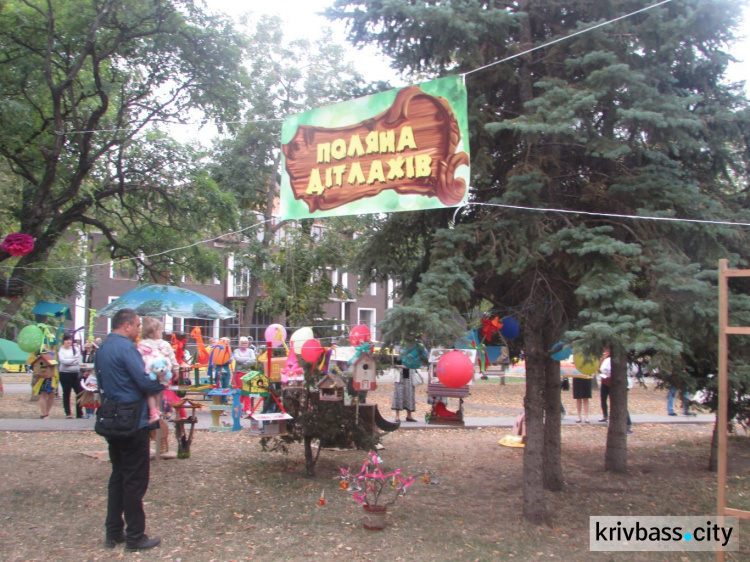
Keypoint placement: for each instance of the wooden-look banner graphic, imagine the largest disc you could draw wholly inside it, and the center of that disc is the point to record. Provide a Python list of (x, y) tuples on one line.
[(400, 150)]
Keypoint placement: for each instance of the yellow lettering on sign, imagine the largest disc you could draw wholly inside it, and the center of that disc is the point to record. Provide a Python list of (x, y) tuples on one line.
[(409, 166), (387, 141), (315, 186), (324, 152), (338, 149), (406, 139), (338, 175), (395, 168), (422, 164), (356, 175), (355, 147), (329, 177), (376, 172), (372, 142)]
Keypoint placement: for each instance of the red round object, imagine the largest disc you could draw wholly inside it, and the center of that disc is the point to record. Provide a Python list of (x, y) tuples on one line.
[(359, 334), (455, 369), (311, 350)]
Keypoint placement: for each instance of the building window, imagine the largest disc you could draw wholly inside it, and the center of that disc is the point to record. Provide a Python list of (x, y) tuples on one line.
[(109, 320), (126, 269), (241, 282), (373, 289), (367, 317)]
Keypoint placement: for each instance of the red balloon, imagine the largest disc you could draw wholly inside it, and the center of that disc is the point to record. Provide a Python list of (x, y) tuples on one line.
[(455, 369), (311, 350), (359, 334)]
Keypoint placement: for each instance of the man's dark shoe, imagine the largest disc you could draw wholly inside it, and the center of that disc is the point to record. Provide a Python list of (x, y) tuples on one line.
[(672, 413), (144, 544), (111, 543)]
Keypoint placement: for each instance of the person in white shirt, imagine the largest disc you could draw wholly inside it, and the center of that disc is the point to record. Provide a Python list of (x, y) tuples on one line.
[(70, 358)]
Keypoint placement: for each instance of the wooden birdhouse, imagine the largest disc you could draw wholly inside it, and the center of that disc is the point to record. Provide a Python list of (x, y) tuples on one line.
[(331, 388), (363, 372), (44, 366), (272, 368), (256, 384)]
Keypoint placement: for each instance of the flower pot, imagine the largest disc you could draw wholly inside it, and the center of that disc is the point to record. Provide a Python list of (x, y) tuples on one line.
[(374, 518)]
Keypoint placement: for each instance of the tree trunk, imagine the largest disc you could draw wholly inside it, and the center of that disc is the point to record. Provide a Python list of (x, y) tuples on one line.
[(534, 502), (616, 454), (269, 231), (10, 310), (553, 475), (309, 457), (713, 458)]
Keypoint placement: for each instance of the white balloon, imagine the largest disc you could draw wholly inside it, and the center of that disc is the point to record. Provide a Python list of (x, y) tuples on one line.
[(299, 337)]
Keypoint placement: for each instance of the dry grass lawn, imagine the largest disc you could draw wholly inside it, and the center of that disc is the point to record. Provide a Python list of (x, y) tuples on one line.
[(231, 501)]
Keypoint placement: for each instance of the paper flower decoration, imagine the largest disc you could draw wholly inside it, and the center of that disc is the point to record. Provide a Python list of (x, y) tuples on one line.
[(17, 244), (372, 487)]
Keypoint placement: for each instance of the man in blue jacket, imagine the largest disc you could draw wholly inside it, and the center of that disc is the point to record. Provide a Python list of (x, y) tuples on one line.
[(122, 378)]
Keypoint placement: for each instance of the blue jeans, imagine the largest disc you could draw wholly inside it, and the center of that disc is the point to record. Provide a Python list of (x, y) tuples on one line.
[(685, 401)]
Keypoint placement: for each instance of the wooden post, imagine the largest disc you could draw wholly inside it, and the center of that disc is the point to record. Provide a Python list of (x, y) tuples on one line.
[(722, 419), (721, 491)]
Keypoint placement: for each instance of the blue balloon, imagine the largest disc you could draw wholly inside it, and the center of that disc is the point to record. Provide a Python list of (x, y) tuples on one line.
[(510, 328), (561, 351)]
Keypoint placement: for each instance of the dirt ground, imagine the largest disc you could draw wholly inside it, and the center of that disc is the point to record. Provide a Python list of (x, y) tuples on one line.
[(231, 501)]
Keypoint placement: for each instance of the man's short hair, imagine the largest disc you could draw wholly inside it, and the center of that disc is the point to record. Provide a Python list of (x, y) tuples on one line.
[(122, 317)]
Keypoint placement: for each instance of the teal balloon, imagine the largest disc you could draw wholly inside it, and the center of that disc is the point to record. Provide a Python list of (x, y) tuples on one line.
[(30, 339), (561, 351), (414, 356)]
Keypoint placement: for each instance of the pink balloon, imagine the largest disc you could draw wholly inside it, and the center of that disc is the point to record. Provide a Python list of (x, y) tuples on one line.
[(359, 334), (272, 334), (311, 350), (455, 369)]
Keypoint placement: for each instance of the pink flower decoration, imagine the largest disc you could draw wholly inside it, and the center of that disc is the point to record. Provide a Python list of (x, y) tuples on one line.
[(17, 244)]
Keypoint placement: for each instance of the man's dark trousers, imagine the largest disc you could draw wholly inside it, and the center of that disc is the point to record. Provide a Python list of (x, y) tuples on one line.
[(128, 483)]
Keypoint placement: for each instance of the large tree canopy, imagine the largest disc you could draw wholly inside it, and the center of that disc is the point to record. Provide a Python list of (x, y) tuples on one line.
[(292, 261), (82, 87), (633, 118)]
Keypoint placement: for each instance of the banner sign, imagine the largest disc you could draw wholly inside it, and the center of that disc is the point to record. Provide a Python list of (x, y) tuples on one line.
[(400, 150)]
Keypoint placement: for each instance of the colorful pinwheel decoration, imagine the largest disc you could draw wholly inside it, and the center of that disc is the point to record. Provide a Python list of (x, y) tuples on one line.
[(373, 487), (489, 327)]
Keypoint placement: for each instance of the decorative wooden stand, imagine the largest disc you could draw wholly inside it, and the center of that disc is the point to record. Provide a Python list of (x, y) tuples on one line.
[(184, 441), (436, 391), (217, 408), (271, 424)]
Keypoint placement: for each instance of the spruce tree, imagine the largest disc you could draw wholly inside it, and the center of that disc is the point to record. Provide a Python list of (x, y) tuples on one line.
[(633, 118)]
